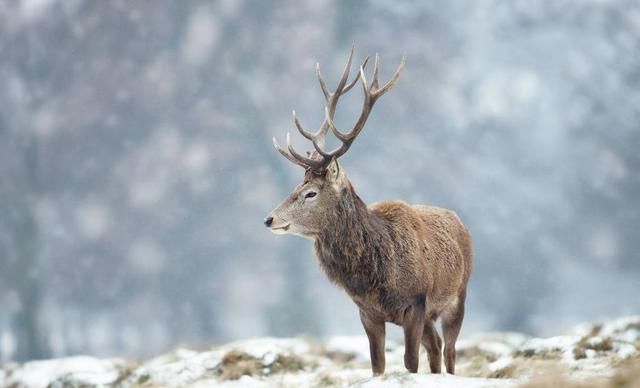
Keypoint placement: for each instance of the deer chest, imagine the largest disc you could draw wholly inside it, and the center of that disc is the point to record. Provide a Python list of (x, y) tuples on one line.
[(384, 304)]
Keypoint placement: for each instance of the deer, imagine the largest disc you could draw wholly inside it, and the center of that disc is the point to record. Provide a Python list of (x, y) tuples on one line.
[(404, 264)]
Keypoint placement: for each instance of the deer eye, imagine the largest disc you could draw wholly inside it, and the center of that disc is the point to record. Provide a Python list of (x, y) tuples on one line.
[(311, 194)]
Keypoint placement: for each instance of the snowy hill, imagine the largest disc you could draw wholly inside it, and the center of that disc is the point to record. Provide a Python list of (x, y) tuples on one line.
[(592, 354)]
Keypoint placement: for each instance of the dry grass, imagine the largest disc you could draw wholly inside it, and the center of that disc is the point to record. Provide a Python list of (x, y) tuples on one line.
[(286, 363), (508, 372), (236, 364), (554, 380), (474, 361), (529, 368), (325, 380), (547, 354), (628, 376), (339, 357), (544, 367), (476, 351), (593, 342), (474, 366), (336, 356)]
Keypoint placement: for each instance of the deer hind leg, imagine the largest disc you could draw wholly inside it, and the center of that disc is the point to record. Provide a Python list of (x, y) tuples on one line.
[(433, 344), (452, 318)]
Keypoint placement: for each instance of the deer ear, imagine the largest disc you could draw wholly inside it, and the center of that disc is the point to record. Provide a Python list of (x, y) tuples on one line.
[(333, 170)]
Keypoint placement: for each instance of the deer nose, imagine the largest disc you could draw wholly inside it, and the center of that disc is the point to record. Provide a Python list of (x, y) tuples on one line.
[(268, 221)]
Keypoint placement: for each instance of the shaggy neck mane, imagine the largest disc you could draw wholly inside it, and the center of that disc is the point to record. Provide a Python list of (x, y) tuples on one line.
[(351, 247)]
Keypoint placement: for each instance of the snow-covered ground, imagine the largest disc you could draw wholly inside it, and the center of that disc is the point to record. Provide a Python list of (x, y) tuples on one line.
[(590, 352)]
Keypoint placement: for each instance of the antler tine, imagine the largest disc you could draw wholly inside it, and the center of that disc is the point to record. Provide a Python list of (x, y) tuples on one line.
[(392, 81), (286, 154), (348, 87), (332, 97), (319, 146), (302, 131), (323, 85), (314, 164), (374, 82), (295, 154), (348, 138), (345, 75), (367, 104), (343, 80), (331, 125)]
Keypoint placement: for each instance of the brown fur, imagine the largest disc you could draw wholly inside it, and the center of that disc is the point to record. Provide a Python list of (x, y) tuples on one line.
[(400, 263)]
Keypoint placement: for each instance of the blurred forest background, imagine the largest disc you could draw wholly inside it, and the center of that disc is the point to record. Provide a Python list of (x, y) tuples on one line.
[(136, 162)]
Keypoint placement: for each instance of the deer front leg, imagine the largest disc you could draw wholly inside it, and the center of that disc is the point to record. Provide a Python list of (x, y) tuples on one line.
[(413, 326), (375, 332)]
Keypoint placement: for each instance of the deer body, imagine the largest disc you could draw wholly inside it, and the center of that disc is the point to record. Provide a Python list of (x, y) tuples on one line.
[(397, 255), (400, 263)]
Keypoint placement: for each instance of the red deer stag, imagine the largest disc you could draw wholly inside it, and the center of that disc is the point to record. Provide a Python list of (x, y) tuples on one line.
[(400, 263)]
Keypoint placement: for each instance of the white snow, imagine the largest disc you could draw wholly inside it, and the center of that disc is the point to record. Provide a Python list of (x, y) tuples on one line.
[(401, 380), (561, 344), (626, 328), (356, 345), (266, 346), (344, 361), (625, 351), (82, 369), (500, 363)]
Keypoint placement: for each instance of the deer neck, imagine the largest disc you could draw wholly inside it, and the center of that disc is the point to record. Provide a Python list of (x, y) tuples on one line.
[(351, 247)]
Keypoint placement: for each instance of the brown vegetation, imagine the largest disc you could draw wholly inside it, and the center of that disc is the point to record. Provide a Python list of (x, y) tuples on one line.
[(627, 376), (236, 364)]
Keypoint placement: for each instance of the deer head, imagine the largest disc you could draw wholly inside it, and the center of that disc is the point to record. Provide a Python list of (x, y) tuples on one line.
[(308, 209)]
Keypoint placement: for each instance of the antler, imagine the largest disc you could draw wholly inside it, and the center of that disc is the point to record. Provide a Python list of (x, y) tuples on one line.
[(371, 94)]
